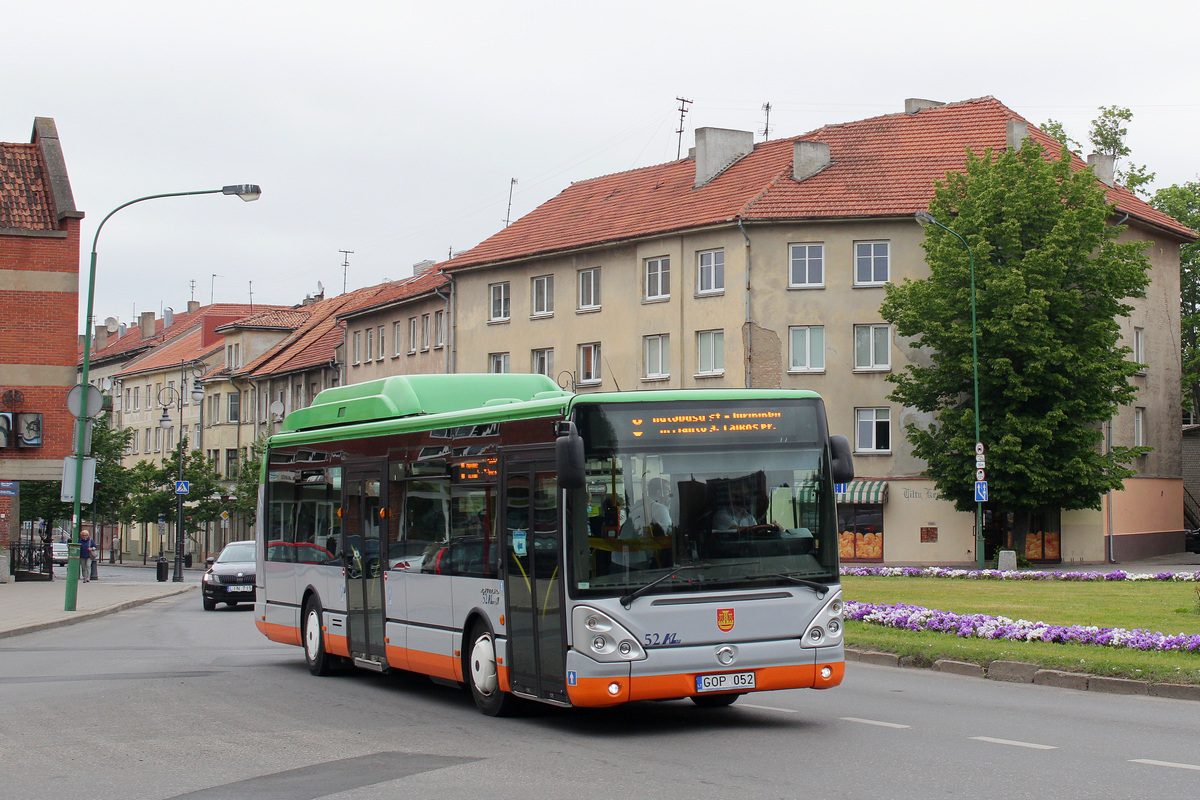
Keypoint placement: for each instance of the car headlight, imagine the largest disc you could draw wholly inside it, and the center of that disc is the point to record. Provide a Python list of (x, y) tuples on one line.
[(826, 627), (210, 577), (599, 636)]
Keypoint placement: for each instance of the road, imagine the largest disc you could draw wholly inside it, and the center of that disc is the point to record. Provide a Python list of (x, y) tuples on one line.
[(168, 701)]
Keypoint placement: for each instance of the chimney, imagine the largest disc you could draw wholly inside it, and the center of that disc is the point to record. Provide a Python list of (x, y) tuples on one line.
[(1103, 166), (914, 104), (1015, 133), (717, 149), (146, 323), (99, 338), (168, 317), (809, 158), (193, 305)]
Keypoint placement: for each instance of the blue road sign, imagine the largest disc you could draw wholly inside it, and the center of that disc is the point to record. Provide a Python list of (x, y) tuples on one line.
[(181, 487), (840, 488), (981, 491)]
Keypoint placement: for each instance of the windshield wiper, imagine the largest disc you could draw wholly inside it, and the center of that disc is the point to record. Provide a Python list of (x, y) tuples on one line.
[(820, 588), (627, 600)]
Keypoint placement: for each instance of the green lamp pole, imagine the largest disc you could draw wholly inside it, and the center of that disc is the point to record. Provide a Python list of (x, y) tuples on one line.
[(247, 192), (925, 218)]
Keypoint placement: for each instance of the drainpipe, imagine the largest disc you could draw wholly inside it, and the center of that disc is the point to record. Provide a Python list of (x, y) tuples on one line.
[(449, 327), (452, 325), (344, 372), (1111, 557), (749, 343)]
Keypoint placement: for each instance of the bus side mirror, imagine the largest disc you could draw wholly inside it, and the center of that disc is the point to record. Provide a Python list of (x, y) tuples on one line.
[(568, 452), (841, 461)]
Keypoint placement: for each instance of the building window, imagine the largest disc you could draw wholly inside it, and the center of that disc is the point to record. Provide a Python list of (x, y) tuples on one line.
[(543, 362), (497, 362), (870, 263), (149, 441), (233, 356), (370, 344), (133, 443), (412, 335), (658, 278), (589, 289), (807, 266), (499, 308), (382, 347), (135, 398), (543, 296), (1139, 427), (231, 463), (871, 347), (397, 337), (807, 344), (710, 350), (589, 363), (235, 406), (158, 439), (439, 328), (860, 536), (214, 408), (425, 334), (1139, 349), (657, 354), (356, 348), (873, 430), (710, 272)]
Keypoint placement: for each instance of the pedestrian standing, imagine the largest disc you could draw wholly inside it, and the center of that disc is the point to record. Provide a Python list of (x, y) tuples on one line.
[(87, 552)]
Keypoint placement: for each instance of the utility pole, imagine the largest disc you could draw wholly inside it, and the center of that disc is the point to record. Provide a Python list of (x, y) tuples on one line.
[(683, 109), (213, 287), (767, 127), (508, 213), (345, 266)]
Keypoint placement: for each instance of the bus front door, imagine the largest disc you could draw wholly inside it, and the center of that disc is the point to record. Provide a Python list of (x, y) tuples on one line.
[(365, 504), (533, 578)]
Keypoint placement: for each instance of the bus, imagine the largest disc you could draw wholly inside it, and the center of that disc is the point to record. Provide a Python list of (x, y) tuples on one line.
[(532, 544)]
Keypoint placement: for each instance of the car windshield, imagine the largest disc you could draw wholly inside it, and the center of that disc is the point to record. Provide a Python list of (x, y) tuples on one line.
[(236, 553), (699, 511)]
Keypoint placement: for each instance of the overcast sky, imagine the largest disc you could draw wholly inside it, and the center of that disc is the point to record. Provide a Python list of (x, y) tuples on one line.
[(393, 129)]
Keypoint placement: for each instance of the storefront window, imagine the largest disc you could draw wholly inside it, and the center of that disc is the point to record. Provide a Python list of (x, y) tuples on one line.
[(1044, 541), (860, 532)]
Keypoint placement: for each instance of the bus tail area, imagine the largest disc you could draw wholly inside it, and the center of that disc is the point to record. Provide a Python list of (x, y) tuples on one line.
[(573, 550)]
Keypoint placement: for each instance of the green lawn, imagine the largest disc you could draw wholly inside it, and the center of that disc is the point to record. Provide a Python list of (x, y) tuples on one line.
[(1152, 605)]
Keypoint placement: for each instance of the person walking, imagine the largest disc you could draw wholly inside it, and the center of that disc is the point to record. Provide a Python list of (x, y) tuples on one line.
[(87, 552)]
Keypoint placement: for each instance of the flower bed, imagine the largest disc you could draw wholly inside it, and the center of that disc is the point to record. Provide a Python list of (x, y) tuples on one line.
[(984, 626), (1015, 575)]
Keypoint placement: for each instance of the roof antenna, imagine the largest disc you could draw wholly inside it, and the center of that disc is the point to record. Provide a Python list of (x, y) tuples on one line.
[(767, 128), (683, 109), (345, 266), (212, 287), (251, 296), (508, 214)]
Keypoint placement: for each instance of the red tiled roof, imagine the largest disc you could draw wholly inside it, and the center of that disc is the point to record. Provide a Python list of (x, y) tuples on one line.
[(883, 166), (182, 323), (25, 200), (285, 318), (186, 347)]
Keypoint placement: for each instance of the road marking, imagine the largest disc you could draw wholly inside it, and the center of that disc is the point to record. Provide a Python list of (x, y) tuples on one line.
[(1012, 743), (874, 722), (770, 708), (1154, 763)]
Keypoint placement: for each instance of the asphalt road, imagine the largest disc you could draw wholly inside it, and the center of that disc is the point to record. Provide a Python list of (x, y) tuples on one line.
[(168, 701)]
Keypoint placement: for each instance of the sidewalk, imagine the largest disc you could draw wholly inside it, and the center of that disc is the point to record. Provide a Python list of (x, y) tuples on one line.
[(31, 606)]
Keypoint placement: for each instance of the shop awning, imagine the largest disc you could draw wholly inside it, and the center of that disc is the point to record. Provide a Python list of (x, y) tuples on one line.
[(860, 491)]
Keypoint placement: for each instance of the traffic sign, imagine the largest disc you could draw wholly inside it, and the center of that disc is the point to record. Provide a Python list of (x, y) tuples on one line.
[(181, 487), (981, 492), (979, 448)]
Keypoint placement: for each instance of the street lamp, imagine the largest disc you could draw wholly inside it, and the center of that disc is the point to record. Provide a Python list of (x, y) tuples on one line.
[(925, 218), (175, 397), (245, 191)]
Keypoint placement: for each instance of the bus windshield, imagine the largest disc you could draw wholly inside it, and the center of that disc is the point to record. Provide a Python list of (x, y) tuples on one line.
[(741, 497)]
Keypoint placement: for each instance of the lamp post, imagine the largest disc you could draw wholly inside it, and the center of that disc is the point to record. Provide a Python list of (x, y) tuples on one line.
[(175, 396), (925, 218), (247, 192)]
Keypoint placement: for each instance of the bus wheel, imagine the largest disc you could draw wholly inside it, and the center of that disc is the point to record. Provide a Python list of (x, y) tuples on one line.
[(319, 662), (715, 700), (484, 680)]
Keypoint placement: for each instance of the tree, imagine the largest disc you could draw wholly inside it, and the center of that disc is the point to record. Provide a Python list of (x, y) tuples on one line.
[(1107, 136), (1056, 129), (245, 504), (152, 496), (1183, 203), (1051, 282)]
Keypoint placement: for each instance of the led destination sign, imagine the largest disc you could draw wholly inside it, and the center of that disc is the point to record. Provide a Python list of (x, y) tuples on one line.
[(706, 424), (482, 470), (737, 422)]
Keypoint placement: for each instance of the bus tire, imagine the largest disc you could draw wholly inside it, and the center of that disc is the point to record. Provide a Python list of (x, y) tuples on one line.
[(319, 662), (715, 700), (482, 675)]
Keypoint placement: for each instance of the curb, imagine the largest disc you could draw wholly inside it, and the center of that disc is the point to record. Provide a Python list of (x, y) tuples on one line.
[(90, 615), (1022, 672)]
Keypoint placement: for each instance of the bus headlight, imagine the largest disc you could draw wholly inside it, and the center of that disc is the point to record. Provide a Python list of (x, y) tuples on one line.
[(826, 627), (609, 640)]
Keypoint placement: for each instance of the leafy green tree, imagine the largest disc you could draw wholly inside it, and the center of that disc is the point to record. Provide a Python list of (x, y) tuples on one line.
[(1183, 203), (152, 496), (1056, 129), (1051, 282), (245, 504), (1107, 136)]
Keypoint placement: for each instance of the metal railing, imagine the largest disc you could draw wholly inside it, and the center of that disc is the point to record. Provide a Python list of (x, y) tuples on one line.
[(31, 561), (1191, 510)]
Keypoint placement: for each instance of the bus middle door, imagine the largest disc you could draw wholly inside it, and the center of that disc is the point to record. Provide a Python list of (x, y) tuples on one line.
[(533, 577), (363, 539)]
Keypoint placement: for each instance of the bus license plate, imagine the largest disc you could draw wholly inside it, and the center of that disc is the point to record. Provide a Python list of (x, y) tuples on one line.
[(243, 588), (729, 681)]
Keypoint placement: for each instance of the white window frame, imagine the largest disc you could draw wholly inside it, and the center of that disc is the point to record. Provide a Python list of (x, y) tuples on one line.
[(412, 335), (710, 271), (806, 257), (589, 365), (439, 328), (498, 363), (656, 280), (541, 294), (710, 353), (806, 348), (541, 361), (1139, 426), (425, 332), (356, 348), (589, 289), (370, 344), (499, 302), (870, 255), (874, 338), (380, 354), (1139, 349), (397, 337), (233, 399), (867, 423), (656, 357)]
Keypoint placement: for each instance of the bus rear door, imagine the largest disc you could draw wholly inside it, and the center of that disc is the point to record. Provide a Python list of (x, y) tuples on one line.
[(365, 505), (533, 576)]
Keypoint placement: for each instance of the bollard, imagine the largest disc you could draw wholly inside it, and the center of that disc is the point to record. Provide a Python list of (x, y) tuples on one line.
[(163, 568), (1007, 560)]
